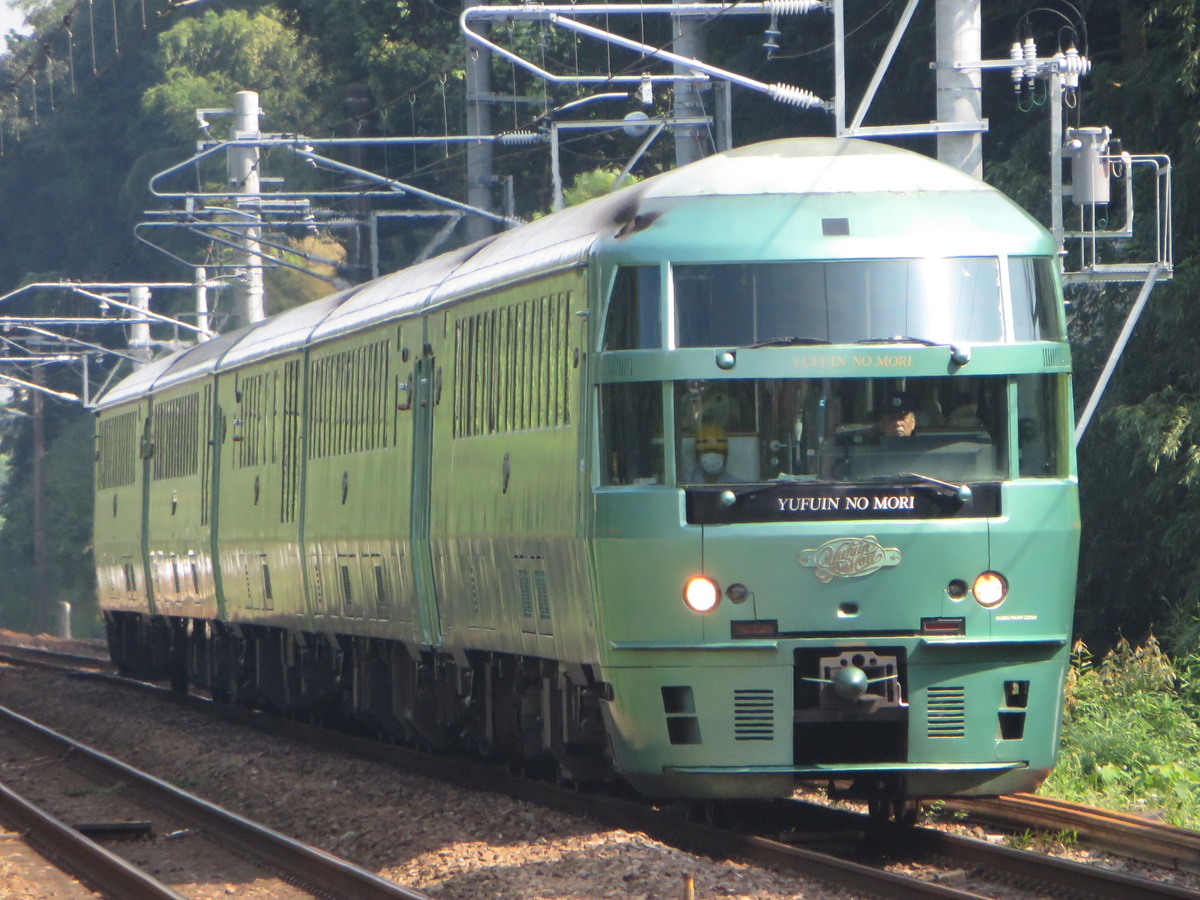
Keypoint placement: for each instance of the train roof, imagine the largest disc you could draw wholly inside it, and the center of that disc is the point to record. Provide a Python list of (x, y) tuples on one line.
[(809, 167)]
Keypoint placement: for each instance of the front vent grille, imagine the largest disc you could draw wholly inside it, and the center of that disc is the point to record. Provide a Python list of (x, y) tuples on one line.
[(1056, 358), (754, 715), (947, 712)]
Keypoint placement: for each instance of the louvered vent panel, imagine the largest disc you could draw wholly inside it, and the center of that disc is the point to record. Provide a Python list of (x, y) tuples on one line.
[(542, 588), (947, 712), (754, 715), (526, 588), (1056, 357)]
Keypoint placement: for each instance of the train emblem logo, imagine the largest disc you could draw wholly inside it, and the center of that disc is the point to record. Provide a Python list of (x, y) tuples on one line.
[(849, 557)]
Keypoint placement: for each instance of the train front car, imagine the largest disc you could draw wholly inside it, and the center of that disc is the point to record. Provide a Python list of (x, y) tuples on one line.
[(836, 519)]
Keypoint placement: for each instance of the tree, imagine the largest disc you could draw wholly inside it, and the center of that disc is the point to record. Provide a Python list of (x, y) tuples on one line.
[(205, 61)]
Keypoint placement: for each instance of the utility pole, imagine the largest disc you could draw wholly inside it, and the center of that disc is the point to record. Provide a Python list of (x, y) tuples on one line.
[(244, 176), (139, 332), (40, 586), (688, 32), (480, 163), (959, 91), (358, 106)]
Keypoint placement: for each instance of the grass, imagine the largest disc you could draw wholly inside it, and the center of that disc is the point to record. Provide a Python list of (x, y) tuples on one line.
[(1131, 741)]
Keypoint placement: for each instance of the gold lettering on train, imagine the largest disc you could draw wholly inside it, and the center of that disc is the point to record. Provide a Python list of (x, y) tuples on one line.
[(818, 362), (849, 557)]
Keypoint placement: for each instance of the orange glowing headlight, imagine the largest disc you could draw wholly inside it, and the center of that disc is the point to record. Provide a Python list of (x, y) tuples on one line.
[(701, 594), (990, 589)]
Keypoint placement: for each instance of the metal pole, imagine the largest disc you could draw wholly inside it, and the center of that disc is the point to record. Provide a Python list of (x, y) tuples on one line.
[(41, 594), (1115, 354), (839, 67), (202, 302), (244, 176), (358, 106), (480, 157), (723, 114), (689, 41), (555, 173), (1057, 227), (139, 331), (959, 91)]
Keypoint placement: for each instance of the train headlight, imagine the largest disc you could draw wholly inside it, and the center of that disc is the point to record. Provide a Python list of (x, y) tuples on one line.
[(990, 589), (701, 594)]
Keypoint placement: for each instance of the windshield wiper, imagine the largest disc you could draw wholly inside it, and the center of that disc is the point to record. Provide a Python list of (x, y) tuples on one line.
[(902, 339), (960, 355), (795, 341), (948, 488)]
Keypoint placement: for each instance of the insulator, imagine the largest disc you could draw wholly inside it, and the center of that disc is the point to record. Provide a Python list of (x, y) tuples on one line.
[(646, 91), (1061, 61), (1018, 72), (521, 138), (1030, 54), (791, 7), (771, 40), (1073, 65), (794, 96)]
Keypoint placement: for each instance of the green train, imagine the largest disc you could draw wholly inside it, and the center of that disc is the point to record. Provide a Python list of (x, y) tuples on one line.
[(754, 472)]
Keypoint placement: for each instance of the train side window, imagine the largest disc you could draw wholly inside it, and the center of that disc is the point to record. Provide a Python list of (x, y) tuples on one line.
[(716, 435), (1042, 438), (631, 436), (634, 312), (1036, 309)]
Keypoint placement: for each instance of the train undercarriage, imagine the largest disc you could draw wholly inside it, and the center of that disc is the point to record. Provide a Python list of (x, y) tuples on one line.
[(533, 713)]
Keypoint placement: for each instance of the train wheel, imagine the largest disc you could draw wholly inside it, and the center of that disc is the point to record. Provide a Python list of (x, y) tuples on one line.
[(888, 803)]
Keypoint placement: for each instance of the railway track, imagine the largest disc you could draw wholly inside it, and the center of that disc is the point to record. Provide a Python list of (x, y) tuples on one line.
[(962, 860), (236, 849), (1136, 837)]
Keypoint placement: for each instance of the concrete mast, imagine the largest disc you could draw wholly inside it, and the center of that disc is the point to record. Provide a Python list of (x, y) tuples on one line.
[(244, 176), (959, 91), (480, 163), (688, 32)]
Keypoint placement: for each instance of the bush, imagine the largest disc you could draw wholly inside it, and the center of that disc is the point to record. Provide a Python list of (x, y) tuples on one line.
[(1129, 740)]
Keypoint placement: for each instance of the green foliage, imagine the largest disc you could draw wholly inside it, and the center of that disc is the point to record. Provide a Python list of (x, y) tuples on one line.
[(287, 287), (1129, 739), (593, 183), (205, 61), (1043, 841), (67, 518)]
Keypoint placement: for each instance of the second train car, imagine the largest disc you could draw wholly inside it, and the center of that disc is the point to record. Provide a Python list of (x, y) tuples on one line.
[(756, 471)]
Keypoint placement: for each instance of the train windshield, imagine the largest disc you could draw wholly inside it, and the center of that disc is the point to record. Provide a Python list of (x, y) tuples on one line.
[(731, 431), (845, 301)]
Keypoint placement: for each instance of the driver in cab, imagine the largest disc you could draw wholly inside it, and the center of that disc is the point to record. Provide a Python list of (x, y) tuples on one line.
[(896, 416)]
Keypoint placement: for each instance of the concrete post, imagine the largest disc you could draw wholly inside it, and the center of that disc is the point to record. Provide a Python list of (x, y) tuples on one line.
[(689, 41), (959, 91), (480, 162), (244, 178)]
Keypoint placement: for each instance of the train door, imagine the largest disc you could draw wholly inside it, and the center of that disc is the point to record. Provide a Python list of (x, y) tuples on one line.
[(145, 452), (424, 403)]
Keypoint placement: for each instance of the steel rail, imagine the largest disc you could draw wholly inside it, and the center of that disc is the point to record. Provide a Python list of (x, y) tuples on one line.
[(1125, 834), (1066, 875), (53, 659), (1062, 874), (98, 868), (315, 869), (721, 843), (621, 813)]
